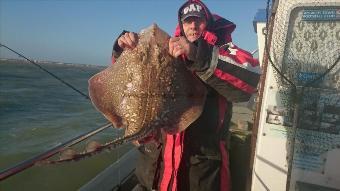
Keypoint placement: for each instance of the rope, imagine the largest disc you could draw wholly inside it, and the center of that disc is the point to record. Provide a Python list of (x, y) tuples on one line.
[(267, 49)]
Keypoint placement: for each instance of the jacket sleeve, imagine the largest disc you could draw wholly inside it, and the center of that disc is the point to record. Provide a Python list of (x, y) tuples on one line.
[(116, 49), (231, 71)]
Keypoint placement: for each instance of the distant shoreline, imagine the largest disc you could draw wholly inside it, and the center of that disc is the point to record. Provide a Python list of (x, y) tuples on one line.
[(23, 61)]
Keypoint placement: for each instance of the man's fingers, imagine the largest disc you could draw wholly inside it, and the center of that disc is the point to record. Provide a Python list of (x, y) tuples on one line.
[(177, 51), (174, 39), (171, 47), (173, 50), (122, 42), (174, 46), (134, 39), (128, 40)]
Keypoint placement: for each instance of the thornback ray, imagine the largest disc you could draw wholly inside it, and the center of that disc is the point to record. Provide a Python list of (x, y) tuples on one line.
[(147, 89)]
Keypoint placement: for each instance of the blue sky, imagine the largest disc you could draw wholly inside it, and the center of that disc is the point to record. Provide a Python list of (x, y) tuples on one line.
[(83, 31)]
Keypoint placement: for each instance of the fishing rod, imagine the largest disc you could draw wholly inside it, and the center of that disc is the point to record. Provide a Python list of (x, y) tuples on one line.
[(47, 71), (47, 154)]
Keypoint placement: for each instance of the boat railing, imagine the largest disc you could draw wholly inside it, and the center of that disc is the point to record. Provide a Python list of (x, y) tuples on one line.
[(118, 176)]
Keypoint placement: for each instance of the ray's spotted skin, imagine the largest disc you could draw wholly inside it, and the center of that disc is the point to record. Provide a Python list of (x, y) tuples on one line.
[(147, 89)]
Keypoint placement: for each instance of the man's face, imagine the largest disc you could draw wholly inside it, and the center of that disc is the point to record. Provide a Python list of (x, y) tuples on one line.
[(193, 27)]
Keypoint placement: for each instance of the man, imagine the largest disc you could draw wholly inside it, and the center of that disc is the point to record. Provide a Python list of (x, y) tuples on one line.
[(197, 159)]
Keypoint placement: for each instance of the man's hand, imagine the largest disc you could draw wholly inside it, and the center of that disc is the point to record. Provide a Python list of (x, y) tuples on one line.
[(179, 46), (128, 40)]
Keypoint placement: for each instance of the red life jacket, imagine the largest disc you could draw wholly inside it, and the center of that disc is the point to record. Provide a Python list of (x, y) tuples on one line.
[(218, 33)]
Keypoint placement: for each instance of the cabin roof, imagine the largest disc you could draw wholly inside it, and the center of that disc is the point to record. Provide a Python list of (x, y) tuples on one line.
[(260, 17)]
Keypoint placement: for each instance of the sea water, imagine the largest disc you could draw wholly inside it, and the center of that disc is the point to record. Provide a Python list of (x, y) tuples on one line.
[(38, 112)]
